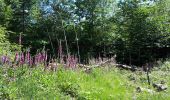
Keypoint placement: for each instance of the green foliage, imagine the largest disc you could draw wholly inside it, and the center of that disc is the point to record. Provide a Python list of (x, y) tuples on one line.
[(6, 48), (163, 65), (26, 83), (4, 43), (139, 31), (5, 13), (3, 38), (131, 29)]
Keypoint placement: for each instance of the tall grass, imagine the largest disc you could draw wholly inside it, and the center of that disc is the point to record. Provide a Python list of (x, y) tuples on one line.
[(101, 84)]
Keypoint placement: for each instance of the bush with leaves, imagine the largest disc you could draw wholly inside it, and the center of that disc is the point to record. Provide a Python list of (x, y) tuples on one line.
[(6, 48)]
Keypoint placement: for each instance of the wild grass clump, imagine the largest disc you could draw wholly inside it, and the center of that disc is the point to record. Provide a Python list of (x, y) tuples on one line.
[(64, 84), (25, 83), (164, 65)]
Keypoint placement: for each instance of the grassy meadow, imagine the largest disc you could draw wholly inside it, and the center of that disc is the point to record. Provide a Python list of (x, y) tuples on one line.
[(107, 83)]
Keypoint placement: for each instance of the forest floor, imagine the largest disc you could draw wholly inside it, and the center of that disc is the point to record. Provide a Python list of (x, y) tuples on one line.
[(108, 83)]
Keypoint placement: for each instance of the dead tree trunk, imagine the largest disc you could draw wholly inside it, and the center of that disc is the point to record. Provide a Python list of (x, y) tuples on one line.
[(147, 73)]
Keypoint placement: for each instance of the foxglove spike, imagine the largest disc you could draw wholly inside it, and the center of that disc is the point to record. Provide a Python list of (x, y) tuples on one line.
[(28, 56), (16, 57), (22, 57), (46, 56), (3, 58)]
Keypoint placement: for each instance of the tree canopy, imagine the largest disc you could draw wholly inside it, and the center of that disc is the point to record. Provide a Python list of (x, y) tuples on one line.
[(134, 30)]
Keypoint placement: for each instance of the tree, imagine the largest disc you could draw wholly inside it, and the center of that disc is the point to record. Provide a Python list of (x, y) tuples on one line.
[(138, 31), (5, 13)]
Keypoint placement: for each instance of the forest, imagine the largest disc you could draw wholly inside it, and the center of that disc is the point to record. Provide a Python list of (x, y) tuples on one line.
[(65, 49)]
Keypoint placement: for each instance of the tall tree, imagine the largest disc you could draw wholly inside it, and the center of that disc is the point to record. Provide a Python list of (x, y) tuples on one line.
[(136, 31)]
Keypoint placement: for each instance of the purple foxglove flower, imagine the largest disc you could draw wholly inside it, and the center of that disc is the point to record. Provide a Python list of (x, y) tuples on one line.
[(22, 58), (68, 61), (73, 61), (3, 59), (26, 57), (76, 61), (20, 61), (30, 62), (16, 57), (60, 53), (43, 56), (35, 60), (46, 56), (40, 56), (7, 60)]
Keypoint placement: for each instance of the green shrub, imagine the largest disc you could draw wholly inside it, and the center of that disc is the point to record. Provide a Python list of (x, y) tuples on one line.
[(6, 48), (165, 66)]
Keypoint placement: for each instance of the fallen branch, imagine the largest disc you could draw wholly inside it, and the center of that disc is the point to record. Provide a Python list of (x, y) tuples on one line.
[(94, 66), (126, 67), (87, 67)]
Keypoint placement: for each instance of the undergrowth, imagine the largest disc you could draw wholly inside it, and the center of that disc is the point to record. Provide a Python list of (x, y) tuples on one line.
[(101, 84)]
